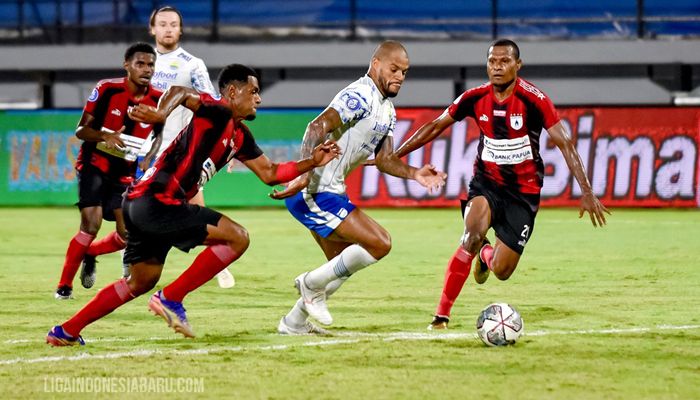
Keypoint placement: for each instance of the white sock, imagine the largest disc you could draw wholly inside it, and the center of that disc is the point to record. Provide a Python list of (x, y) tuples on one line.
[(349, 261), (297, 316)]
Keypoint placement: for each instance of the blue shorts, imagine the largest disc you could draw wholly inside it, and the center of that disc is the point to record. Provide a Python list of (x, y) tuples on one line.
[(320, 212), (139, 171)]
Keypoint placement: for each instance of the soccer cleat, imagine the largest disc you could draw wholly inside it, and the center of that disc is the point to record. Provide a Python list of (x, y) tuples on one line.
[(225, 279), (64, 292), (88, 273), (58, 337), (172, 312), (314, 300), (481, 270), (307, 329), (439, 322)]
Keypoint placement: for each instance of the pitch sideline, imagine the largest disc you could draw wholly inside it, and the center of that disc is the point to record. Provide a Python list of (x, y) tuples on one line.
[(347, 338)]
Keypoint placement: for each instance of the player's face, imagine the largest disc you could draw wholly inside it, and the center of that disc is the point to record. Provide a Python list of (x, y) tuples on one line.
[(166, 29), (245, 99), (502, 66), (391, 72), (140, 68)]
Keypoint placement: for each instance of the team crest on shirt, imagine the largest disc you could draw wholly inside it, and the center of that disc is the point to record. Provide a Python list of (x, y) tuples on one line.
[(352, 103), (516, 121)]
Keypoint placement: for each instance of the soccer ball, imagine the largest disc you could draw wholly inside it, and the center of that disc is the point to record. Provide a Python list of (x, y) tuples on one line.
[(499, 324)]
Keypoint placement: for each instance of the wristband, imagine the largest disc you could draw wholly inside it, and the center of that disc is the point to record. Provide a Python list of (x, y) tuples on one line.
[(287, 171)]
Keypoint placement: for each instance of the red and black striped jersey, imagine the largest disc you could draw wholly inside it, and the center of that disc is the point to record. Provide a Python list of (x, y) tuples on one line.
[(206, 145), (108, 104), (508, 152)]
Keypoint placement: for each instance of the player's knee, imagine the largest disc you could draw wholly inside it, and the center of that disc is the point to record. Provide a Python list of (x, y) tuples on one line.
[(239, 239), (142, 284), (382, 246), (473, 242)]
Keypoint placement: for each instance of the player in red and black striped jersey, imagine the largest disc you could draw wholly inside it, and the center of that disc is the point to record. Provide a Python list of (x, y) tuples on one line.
[(504, 193), (106, 162), (156, 209)]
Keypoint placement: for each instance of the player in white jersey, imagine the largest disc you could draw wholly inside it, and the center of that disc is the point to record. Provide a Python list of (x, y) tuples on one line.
[(361, 119), (177, 67)]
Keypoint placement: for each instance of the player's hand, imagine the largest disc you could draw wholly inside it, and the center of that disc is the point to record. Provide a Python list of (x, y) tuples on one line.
[(292, 188), (596, 209), (112, 139), (325, 152), (146, 113), (430, 178)]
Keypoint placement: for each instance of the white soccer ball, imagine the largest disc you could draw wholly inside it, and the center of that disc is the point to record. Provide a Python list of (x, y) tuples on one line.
[(499, 324)]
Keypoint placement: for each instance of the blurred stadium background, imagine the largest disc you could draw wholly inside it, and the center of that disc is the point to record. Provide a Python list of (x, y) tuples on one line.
[(625, 76)]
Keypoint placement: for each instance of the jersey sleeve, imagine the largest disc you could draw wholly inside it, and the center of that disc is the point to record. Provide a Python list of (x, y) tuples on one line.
[(463, 106), (351, 104), (550, 116), (94, 99), (249, 150), (200, 78)]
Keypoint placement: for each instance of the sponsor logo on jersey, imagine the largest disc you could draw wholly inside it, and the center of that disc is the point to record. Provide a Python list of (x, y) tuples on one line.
[(499, 113), (93, 95), (380, 128), (166, 76), (516, 121), (184, 56), (116, 112), (507, 151)]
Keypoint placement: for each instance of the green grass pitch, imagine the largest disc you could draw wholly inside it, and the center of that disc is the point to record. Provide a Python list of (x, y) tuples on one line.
[(609, 313)]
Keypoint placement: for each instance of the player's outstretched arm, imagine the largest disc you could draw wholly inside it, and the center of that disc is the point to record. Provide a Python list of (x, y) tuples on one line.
[(274, 174), (387, 161), (425, 134), (173, 97), (589, 202)]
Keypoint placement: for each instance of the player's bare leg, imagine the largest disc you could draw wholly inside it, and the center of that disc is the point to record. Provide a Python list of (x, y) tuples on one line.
[(296, 322), (501, 259), (224, 278), (370, 242), (226, 242), (477, 218)]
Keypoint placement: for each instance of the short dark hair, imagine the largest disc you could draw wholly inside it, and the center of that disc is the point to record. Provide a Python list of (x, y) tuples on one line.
[(506, 42), (235, 72), (152, 19), (139, 47)]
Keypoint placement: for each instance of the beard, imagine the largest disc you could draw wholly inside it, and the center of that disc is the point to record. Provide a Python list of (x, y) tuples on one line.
[(250, 117)]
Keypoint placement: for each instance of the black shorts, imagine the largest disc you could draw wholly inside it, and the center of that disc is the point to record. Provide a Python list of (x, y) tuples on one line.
[(155, 227), (512, 220), (98, 189)]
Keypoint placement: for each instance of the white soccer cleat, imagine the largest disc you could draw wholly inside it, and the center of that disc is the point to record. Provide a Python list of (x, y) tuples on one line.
[(225, 279), (307, 329), (314, 300)]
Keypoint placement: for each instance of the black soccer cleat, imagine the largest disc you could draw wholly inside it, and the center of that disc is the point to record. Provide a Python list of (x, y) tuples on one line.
[(439, 322), (88, 272), (64, 292)]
